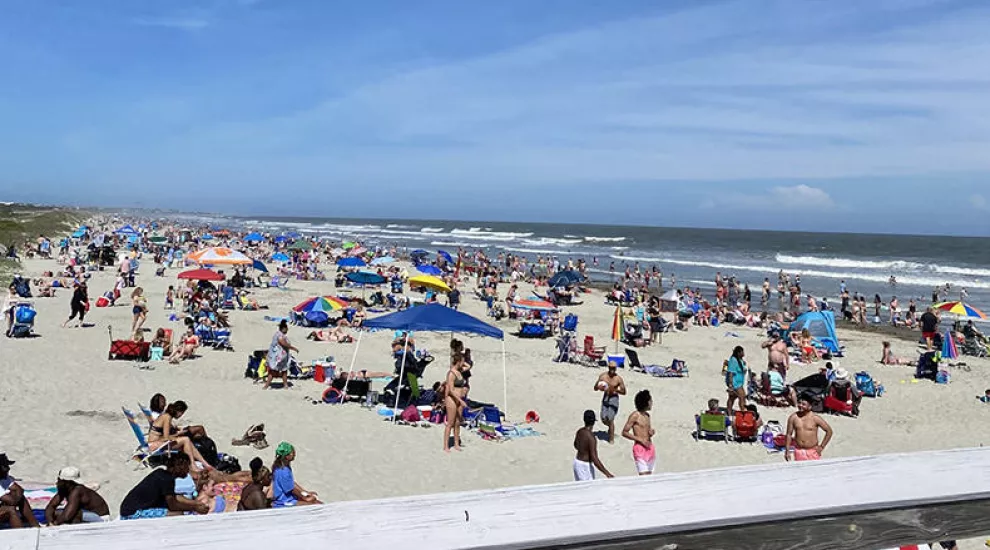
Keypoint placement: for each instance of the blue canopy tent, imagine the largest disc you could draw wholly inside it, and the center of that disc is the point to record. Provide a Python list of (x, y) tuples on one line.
[(351, 261), (821, 325), (435, 318), (254, 237), (565, 278)]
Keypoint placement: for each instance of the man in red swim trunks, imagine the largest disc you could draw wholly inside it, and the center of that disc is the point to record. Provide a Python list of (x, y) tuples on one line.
[(802, 432), (929, 326)]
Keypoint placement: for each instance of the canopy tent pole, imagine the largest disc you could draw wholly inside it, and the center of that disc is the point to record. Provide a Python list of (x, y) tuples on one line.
[(505, 383), (357, 346), (402, 374)]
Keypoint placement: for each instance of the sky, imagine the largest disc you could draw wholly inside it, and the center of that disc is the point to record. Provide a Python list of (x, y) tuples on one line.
[(788, 114)]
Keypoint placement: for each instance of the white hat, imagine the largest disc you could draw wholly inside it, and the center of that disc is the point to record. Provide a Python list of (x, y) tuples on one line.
[(69, 473), (841, 374)]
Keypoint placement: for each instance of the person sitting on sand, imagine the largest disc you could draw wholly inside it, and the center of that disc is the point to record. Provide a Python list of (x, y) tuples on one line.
[(888, 357), (82, 504), (779, 388), (285, 490), (157, 406), (186, 348), (335, 334), (254, 496), (161, 340), (163, 432), (206, 494), (808, 353), (154, 496), (14, 508)]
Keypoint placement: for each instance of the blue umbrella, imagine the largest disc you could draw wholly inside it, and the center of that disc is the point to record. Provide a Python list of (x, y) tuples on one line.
[(279, 257), (254, 237), (281, 239), (429, 270), (293, 235), (445, 255), (260, 266), (383, 260), (207, 237), (365, 278), (351, 262)]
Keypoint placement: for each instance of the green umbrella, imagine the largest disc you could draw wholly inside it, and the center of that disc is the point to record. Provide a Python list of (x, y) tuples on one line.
[(348, 245), (301, 245)]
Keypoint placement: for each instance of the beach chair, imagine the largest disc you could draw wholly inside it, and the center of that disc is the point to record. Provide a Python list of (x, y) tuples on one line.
[(591, 351), (712, 427), (150, 416), (143, 454), (677, 368), (744, 427), (839, 401)]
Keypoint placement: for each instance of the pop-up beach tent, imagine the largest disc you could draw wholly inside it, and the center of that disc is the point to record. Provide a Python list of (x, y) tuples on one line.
[(821, 326), (434, 318)]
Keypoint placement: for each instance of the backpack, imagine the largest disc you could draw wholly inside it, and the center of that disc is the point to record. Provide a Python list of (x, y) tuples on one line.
[(866, 385), (208, 449)]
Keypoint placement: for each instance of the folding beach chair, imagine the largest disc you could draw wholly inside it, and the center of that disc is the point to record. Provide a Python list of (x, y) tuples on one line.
[(147, 414), (143, 454), (711, 427)]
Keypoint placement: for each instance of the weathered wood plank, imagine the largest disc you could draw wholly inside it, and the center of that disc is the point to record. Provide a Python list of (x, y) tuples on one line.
[(889, 500), (19, 539)]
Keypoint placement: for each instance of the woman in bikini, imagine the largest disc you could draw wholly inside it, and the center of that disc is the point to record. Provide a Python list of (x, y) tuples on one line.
[(808, 353), (164, 432), (888, 357), (454, 392), (186, 348), (140, 309)]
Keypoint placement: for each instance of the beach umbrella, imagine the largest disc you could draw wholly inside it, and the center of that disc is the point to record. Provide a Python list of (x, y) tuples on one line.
[(157, 239), (534, 304), (418, 256), (430, 282), (565, 278), (254, 237), (320, 303), (207, 237), (260, 266), (960, 309), (201, 275), (618, 327), (220, 255), (293, 235), (445, 255), (348, 245), (383, 260), (428, 269), (301, 245), (280, 257), (365, 278), (281, 239), (358, 251), (949, 350), (351, 262)]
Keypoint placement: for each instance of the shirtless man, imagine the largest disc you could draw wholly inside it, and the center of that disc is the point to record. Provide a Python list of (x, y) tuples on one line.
[(777, 356), (802, 430), (586, 446), (14, 507), (82, 504), (612, 386), (639, 430)]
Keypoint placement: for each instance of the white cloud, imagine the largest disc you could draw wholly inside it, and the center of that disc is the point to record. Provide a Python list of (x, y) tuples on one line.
[(771, 199), (804, 194), (979, 202)]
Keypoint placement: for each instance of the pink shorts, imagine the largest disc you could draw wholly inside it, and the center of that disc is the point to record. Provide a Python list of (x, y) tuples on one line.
[(645, 457), (801, 455)]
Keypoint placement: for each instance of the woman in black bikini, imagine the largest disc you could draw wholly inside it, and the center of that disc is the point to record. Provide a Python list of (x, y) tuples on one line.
[(455, 389), (163, 432)]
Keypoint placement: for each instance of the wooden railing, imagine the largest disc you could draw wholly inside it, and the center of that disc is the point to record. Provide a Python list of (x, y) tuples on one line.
[(865, 503)]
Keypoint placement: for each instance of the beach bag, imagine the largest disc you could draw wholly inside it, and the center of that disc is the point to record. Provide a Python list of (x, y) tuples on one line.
[(208, 448), (25, 315), (102, 301), (411, 414), (866, 385), (228, 464), (942, 377)]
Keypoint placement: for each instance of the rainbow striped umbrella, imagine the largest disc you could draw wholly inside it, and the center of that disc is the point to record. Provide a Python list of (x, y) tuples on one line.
[(618, 327), (320, 303), (961, 309)]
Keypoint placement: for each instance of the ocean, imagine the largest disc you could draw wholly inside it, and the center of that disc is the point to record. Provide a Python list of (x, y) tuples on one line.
[(864, 261)]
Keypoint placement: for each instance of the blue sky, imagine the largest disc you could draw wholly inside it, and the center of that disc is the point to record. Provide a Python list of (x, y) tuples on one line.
[(768, 114)]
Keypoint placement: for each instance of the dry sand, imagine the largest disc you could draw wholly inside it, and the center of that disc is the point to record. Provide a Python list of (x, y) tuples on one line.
[(61, 400)]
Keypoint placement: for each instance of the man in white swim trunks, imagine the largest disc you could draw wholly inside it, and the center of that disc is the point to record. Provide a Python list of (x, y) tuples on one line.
[(639, 430), (82, 504), (586, 446)]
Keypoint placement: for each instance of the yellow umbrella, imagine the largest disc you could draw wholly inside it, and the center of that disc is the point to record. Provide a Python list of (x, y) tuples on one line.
[(430, 282)]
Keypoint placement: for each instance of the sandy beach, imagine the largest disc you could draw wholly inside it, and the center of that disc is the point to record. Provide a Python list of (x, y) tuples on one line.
[(64, 396)]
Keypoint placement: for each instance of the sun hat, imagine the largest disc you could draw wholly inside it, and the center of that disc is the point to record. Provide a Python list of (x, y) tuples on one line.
[(841, 374), (69, 473)]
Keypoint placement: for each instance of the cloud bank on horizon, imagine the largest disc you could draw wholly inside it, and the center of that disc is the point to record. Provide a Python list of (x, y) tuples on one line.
[(744, 113)]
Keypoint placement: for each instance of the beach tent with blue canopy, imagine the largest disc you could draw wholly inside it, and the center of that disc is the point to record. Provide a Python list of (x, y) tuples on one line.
[(821, 326), (434, 318), (351, 261), (254, 237), (565, 278)]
